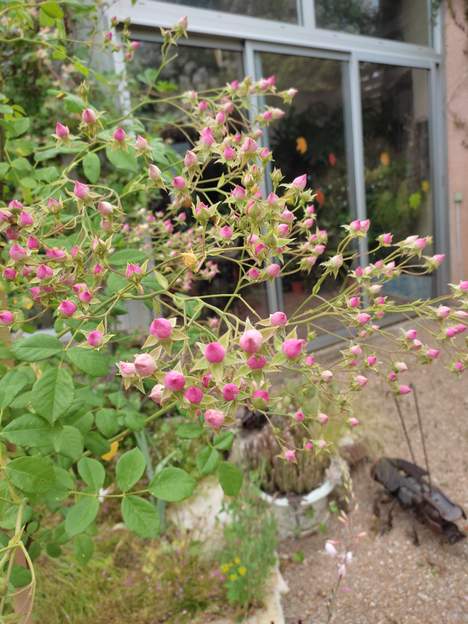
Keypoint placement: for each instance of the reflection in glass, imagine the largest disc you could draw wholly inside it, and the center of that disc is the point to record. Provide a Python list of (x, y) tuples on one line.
[(280, 10), (196, 69), (401, 20), (395, 105), (310, 139)]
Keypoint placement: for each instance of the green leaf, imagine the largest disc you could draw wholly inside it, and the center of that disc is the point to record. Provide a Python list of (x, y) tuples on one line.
[(84, 548), (106, 422), (92, 167), (36, 348), (16, 127), (28, 430), (123, 159), (20, 577), (33, 475), (207, 460), (129, 469), (80, 516), (53, 9), (96, 443), (53, 393), (124, 256), (223, 441), (230, 478), (69, 442), (11, 385), (94, 363), (92, 472), (134, 420), (172, 484), (140, 516), (189, 431)]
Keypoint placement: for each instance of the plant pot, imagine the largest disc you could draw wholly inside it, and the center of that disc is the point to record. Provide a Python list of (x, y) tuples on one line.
[(301, 515)]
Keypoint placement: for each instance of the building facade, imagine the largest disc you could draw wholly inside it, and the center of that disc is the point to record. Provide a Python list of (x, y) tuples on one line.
[(378, 121)]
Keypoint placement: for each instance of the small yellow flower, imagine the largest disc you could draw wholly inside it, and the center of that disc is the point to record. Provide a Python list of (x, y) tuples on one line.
[(237, 560), (189, 259), (425, 186), (112, 453), (301, 145), (242, 571), (233, 577), (225, 568)]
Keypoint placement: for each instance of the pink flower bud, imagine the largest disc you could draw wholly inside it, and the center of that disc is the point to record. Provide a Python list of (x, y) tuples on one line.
[(278, 319), (44, 272), (299, 416), (94, 338), (330, 549), (238, 192), (178, 183), (206, 137), (119, 135), (309, 445), (132, 269), (214, 418), (283, 229), (67, 308), (6, 317), (363, 318), (105, 208), (230, 392), (226, 232), (260, 398), (290, 455), (411, 334), (251, 341), (463, 285), (229, 153), (385, 239), (17, 252), (459, 366), (404, 389), (310, 360), (361, 380), (88, 116), (322, 418), (25, 219), (214, 352), (292, 348), (353, 302), (144, 364), (401, 367), (249, 146), (154, 172), (15, 204), (161, 328), (300, 182), (326, 375), (61, 131), (372, 360), (273, 270), (433, 354), (253, 273), (353, 422), (206, 379), (450, 332), (126, 369), (85, 296), (9, 273), (193, 395), (256, 362), (175, 381), (80, 190), (336, 261), (156, 393), (355, 350)]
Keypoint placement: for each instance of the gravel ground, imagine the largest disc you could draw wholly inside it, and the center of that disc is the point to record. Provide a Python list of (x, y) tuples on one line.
[(391, 580)]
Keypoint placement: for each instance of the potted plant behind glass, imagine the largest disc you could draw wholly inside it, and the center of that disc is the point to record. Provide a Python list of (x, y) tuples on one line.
[(300, 488)]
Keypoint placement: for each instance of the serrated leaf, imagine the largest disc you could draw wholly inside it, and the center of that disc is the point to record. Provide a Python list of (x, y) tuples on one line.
[(29, 431), (80, 516), (230, 478), (92, 167), (34, 475), (16, 127), (92, 472), (11, 385), (172, 484), (140, 516), (223, 441), (36, 348), (53, 394), (69, 442), (207, 460), (129, 469), (94, 363), (123, 159), (106, 422), (125, 256)]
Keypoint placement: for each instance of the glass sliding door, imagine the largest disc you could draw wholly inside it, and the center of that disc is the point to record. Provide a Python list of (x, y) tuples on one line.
[(311, 139), (395, 109)]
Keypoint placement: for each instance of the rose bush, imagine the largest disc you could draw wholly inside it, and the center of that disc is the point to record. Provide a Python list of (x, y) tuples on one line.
[(79, 243)]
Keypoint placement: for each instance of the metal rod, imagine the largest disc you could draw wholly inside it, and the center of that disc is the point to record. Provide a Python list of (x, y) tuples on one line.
[(421, 432), (405, 430)]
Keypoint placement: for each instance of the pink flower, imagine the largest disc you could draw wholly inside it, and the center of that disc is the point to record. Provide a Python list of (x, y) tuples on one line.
[(156, 393), (126, 369), (190, 159), (310, 360), (249, 146), (278, 319), (353, 302), (459, 366), (15, 204), (88, 116), (173, 380), (433, 354), (437, 259), (238, 192), (251, 341), (443, 311), (401, 367), (206, 137), (292, 348), (309, 445), (178, 183), (25, 219), (94, 338), (193, 395), (80, 190), (463, 285), (290, 455), (214, 352), (9, 273), (161, 328), (105, 208), (355, 350), (226, 232), (385, 239), (61, 131), (411, 334), (17, 252), (452, 331), (230, 392), (229, 153), (44, 272), (119, 135), (273, 270), (299, 416), (206, 379), (253, 273), (353, 422), (372, 360), (322, 418), (256, 362), (132, 269), (154, 172), (326, 375), (144, 364), (363, 318), (214, 418), (67, 308), (260, 398), (361, 380), (300, 182), (6, 317), (283, 229), (404, 389)]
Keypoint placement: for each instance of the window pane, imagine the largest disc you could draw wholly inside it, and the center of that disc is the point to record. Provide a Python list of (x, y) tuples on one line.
[(395, 106), (280, 10), (402, 20), (310, 139)]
